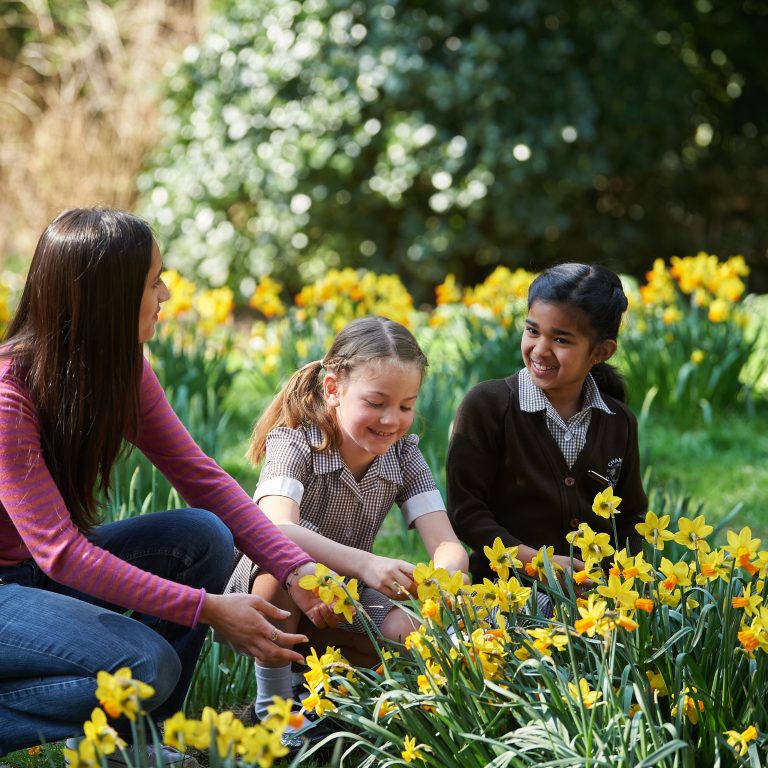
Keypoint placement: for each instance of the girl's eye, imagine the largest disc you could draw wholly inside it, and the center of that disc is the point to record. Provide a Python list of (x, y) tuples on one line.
[(530, 331), (374, 405)]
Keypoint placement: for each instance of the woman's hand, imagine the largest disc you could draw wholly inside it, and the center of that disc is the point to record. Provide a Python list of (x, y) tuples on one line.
[(320, 614), (391, 577), (244, 621)]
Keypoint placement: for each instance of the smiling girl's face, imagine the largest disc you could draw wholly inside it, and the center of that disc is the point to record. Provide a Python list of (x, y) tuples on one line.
[(558, 352), (374, 409)]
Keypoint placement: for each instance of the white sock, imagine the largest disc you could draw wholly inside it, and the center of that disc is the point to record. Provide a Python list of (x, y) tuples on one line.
[(271, 681)]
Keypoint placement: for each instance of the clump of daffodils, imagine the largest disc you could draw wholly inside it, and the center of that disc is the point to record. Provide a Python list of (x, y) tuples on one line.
[(221, 733)]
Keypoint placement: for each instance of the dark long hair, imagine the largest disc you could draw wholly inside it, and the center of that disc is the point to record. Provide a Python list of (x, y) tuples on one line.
[(363, 341), (598, 294), (74, 340)]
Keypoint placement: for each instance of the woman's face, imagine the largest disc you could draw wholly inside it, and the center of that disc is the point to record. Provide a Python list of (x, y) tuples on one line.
[(155, 293)]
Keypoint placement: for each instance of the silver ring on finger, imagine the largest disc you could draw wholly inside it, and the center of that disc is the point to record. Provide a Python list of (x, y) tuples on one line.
[(273, 636)]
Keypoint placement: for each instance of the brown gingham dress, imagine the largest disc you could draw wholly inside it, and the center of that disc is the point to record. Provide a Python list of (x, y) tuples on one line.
[(335, 505)]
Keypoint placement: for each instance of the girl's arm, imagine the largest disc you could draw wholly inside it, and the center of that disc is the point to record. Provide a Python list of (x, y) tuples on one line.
[(385, 574), (444, 548)]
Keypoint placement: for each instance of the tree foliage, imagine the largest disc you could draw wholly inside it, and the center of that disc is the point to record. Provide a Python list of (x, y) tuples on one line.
[(422, 137)]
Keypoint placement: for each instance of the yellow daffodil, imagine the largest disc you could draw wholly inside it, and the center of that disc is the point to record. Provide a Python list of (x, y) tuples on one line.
[(676, 574), (346, 600), (182, 293), (594, 547), (692, 705), (654, 529), (180, 733), (119, 694), (435, 583), (85, 756), (693, 533), (620, 592), (261, 746), (583, 693), (384, 707), (448, 292), (711, 566), (591, 614), (410, 752), (227, 729), (644, 604), (743, 548), (747, 601), (103, 736), (502, 558), (545, 639), (319, 704), (266, 297), (432, 680), (755, 635), (630, 567), (535, 567), (606, 504), (418, 642), (656, 681), (740, 740), (322, 583)]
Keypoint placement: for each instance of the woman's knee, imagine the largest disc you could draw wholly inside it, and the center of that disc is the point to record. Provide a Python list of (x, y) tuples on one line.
[(151, 659)]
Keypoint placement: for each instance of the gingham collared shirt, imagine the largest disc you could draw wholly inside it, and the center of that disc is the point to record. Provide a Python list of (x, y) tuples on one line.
[(332, 501), (334, 504), (571, 435)]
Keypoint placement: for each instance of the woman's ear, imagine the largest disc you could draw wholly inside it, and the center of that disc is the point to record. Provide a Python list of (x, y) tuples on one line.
[(331, 390), (604, 351)]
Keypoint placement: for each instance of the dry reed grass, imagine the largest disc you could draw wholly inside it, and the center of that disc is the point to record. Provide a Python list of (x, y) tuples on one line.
[(79, 108)]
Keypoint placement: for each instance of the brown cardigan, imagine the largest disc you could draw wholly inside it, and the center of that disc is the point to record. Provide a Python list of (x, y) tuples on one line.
[(507, 477)]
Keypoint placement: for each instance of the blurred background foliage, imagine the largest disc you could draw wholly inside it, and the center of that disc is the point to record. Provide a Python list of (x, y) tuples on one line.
[(430, 137), (283, 138)]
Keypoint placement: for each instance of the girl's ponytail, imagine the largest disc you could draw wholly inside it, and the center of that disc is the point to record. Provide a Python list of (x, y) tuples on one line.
[(298, 403), (609, 381)]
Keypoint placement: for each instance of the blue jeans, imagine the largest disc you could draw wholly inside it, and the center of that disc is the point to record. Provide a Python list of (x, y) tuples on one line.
[(54, 640)]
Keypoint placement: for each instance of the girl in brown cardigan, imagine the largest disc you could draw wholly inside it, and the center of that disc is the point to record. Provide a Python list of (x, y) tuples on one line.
[(529, 452)]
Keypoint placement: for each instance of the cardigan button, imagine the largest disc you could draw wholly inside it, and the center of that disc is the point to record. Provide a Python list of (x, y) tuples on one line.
[(575, 522), (570, 481)]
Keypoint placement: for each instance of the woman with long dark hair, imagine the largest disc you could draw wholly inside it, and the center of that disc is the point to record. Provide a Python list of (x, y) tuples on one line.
[(75, 389)]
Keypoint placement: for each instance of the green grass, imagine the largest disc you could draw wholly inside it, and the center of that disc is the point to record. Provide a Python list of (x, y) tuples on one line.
[(720, 466)]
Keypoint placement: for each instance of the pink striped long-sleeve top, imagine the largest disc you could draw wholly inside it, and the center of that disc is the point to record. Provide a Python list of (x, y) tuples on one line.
[(35, 522)]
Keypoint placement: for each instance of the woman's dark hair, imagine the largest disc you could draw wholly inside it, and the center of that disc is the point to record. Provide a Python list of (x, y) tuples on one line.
[(74, 339), (364, 341), (598, 293)]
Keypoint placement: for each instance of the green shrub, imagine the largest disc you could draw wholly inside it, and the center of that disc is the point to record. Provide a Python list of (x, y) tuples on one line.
[(425, 137)]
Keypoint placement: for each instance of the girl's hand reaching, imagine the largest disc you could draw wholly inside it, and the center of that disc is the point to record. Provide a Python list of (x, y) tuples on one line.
[(571, 566), (393, 578)]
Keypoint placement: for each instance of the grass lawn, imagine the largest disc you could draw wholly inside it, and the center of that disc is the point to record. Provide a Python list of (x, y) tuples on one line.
[(720, 465)]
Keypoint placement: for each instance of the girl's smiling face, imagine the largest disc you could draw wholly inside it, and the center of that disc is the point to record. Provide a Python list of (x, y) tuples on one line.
[(374, 409), (558, 352)]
